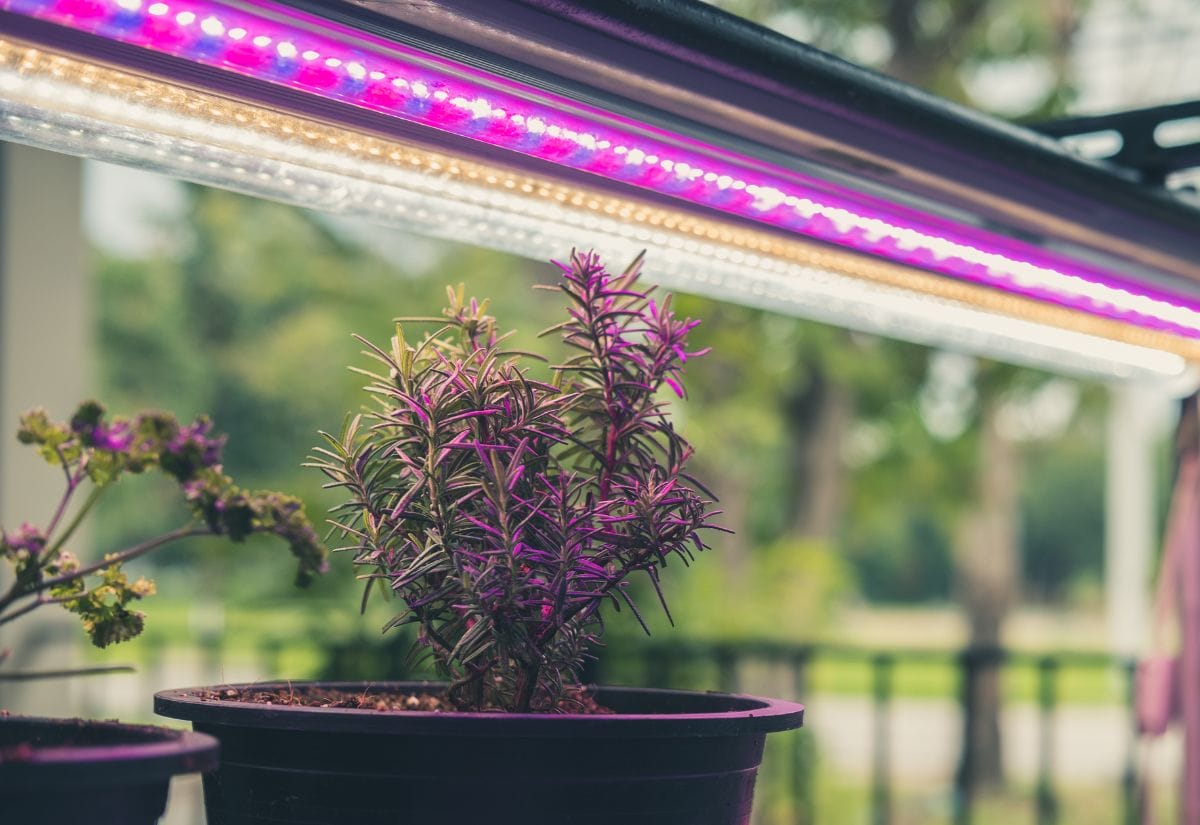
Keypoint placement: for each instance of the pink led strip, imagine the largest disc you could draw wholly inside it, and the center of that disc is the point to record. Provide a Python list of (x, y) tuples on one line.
[(285, 47)]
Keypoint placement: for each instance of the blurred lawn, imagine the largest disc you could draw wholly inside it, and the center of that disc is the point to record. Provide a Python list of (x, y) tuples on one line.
[(925, 680), (291, 636), (840, 802)]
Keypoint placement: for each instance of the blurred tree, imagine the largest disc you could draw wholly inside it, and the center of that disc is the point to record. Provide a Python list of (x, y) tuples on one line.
[(737, 417), (987, 555), (248, 316), (252, 323), (963, 50), (1062, 511)]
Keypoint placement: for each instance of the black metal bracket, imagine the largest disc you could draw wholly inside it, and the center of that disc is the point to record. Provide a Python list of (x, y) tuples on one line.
[(1142, 149)]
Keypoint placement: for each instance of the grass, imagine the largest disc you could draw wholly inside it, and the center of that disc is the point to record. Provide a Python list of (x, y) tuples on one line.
[(292, 635), (284, 635), (838, 799), (846, 803), (935, 680)]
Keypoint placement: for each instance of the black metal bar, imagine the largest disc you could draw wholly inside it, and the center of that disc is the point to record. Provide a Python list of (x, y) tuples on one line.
[(661, 665), (154, 648), (726, 659), (1140, 147), (1130, 803), (803, 803), (962, 796), (1047, 798), (881, 794), (211, 645), (270, 652), (658, 666)]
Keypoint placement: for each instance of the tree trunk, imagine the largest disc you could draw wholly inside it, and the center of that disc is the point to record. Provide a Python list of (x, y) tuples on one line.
[(988, 576), (919, 56), (732, 490), (817, 420)]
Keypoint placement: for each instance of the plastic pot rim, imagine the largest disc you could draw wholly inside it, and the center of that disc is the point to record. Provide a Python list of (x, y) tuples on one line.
[(729, 714)]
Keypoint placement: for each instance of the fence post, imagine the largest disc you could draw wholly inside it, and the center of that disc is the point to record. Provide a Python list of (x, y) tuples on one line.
[(1131, 804), (210, 656), (726, 659), (968, 661), (270, 655), (658, 665), (803, 804), (1047, 799), (881, 802)]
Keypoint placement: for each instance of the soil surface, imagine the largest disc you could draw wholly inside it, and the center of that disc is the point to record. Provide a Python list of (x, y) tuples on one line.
[(577, 700)]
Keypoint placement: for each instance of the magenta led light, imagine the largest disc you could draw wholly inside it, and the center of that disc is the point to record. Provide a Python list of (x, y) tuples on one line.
[(282, 46)]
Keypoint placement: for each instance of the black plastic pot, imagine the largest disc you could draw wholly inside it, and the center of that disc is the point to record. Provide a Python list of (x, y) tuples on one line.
[(62, 771), (664, 758)]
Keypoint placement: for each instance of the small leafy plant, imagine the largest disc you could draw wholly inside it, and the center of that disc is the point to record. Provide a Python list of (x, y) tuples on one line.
[(505, 510), (94, 453)]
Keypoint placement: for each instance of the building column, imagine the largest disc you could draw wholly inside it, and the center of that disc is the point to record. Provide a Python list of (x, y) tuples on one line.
[(46, 335), (1135, 426)]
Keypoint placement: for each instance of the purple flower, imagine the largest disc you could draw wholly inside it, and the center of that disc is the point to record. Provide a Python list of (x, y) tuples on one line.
[(27, 537), (193, 438), (116, 437), (193, 490)]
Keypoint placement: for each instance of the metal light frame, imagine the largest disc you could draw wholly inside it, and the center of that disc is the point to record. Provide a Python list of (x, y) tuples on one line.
[(755, 169)]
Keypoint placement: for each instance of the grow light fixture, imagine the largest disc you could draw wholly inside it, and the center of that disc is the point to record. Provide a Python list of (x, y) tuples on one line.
[(533, 170)]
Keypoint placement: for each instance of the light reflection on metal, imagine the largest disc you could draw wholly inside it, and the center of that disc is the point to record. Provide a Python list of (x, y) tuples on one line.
[(281, 46), (101, 112)]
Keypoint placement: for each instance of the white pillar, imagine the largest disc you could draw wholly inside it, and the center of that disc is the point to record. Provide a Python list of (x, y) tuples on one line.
[(1135, 423), (45, 337)]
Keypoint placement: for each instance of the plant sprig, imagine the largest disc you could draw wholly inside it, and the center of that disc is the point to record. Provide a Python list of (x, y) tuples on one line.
[(94, 454), (505, 510)]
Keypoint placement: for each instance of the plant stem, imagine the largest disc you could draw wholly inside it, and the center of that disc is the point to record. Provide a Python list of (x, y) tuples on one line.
[(589, 606), (473, 681), (18, 613), (74, 597), (73, 481), (92, 498), (523, 702), (443, 647), (33, 675), (130, 554), (111, 559), (72, 485)]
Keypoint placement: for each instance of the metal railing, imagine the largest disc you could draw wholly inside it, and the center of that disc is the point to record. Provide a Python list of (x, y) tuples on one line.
[(661, 663), (723, 666)]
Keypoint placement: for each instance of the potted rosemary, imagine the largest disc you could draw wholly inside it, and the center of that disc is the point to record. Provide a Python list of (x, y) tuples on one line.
[(116, 773), (505, 511)]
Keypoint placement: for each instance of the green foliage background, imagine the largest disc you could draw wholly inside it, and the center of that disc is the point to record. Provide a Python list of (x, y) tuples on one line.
[(247, 313)]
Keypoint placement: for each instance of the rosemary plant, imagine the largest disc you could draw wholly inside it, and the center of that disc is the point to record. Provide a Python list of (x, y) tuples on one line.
[(95, 453), (504, 510)]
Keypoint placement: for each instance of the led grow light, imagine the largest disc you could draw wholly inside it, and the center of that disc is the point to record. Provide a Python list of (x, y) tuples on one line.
[(307, 54), (106, 113)]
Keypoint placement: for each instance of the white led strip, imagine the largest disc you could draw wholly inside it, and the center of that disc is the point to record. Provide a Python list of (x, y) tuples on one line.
[(288, 49), (90, 123)]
